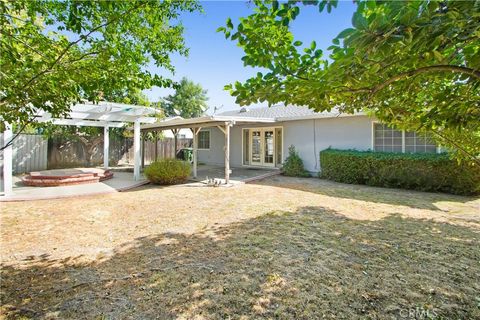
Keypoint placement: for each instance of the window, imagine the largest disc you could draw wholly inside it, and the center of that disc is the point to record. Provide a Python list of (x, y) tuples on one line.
[(419, 142), (388, 139), (204, 139)]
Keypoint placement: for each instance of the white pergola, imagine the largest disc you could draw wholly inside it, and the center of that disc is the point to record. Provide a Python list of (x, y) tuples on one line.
[(102, 114)]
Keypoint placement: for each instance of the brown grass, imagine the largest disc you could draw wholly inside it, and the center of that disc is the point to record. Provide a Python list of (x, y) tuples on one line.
[(283, 248)]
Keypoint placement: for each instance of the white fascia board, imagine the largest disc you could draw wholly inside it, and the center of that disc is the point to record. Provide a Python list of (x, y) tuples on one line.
[(200, 120), (82, 123), (243, 119)]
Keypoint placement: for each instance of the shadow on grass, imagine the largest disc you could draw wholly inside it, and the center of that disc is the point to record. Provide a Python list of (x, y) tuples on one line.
[(409, 198), (290, 265)]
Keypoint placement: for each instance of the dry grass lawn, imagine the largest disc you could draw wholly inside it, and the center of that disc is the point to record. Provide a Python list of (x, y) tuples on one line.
[(281, 248)]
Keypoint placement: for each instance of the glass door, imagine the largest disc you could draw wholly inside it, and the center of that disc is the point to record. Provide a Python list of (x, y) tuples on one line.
[(262, 147), (268, 148), (256, 147)]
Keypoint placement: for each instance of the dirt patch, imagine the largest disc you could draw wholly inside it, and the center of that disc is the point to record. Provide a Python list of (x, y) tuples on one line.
[(281, 248)]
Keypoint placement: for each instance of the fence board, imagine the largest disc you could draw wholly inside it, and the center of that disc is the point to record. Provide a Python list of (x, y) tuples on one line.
[(29, 153)]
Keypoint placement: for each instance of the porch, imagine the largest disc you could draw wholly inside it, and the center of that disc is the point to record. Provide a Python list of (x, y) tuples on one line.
[(241, 156)]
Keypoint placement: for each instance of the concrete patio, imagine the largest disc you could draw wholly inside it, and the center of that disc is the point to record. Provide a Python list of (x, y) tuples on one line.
[(238, 175), (121, 181)]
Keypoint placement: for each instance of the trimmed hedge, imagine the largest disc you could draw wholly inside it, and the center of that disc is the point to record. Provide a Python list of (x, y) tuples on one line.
[(425, 172), (168, 171)]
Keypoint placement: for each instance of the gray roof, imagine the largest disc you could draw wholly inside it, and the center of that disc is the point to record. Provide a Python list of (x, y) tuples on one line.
[(275, 112)]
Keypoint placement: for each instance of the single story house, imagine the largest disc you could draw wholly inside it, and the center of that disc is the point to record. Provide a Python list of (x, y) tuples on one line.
[(260, 137)]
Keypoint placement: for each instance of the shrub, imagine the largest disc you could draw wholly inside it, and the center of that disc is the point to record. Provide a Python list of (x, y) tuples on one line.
[(168, 171), (293, 165), (425, 172)]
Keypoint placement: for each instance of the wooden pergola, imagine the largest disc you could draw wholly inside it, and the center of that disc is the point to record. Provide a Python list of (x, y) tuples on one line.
[(103, 114), (223, 123)]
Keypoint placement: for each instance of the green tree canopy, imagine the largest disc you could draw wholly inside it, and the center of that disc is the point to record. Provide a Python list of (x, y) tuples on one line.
[(188, 101), (412, 64), (53, 53)]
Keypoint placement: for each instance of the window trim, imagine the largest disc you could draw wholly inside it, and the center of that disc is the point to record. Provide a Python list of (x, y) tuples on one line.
[(209, 139), (438, 148)]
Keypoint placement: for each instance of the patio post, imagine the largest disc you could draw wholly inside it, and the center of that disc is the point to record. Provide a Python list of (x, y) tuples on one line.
[(136, 150), (227, 153), (106, 145), (175, 133), (195, 144), (7, 160)]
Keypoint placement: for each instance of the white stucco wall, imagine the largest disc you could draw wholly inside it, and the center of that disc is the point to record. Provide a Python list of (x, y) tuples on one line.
[(308, 136), (215, 155), (339, 133)]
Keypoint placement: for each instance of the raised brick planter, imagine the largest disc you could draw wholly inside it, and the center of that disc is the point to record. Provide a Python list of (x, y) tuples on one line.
[(52, 178)]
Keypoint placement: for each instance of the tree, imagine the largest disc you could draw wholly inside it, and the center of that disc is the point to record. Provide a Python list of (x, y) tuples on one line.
[(54, 53), (188, 101), (414, 65)]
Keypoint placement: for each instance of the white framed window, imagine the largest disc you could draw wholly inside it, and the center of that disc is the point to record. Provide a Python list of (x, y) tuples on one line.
[(387, 139), (204, 139), (419, 143)]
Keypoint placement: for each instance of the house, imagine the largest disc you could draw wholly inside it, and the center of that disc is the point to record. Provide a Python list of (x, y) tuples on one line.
[(260, 137)]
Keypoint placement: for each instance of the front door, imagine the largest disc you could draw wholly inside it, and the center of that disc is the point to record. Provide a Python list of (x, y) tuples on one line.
[(262, 146)]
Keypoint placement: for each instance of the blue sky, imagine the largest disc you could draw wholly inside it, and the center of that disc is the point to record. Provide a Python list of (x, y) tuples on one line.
[(214, 61)]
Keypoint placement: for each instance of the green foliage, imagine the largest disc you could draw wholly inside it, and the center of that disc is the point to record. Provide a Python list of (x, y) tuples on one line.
[(168, 171), (412, 64), (425, 172), (188, 101), (293, 165), (54, 53)]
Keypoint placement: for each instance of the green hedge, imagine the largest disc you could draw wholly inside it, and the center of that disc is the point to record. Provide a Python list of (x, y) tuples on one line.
[(168, 171), (425, 172)]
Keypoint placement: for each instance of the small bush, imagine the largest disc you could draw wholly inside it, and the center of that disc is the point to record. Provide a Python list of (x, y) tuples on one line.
[(293, 165), (168, 171), (424, 172)]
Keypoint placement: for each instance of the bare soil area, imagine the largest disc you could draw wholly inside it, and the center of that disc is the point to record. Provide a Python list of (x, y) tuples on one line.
[(282, 248)]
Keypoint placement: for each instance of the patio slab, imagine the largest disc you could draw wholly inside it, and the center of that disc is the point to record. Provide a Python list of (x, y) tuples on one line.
[(121, 181), (238, 175)]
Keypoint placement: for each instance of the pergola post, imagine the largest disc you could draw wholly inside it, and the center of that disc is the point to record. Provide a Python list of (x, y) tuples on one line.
[(156, 145), (195, 148), (106, 145), (136, 150), (142, 136), (227, 153), (175, 133), (7, 160)]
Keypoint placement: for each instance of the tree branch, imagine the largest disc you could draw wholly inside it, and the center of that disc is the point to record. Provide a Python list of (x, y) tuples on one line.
[(73, 43), (429, 69)]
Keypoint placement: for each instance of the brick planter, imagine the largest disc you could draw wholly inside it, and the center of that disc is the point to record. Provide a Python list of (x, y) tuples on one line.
[(52, 178)]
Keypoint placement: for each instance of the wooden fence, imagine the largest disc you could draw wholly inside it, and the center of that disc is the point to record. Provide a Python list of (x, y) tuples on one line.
[(29, 153), (162, 149), (35, 152)]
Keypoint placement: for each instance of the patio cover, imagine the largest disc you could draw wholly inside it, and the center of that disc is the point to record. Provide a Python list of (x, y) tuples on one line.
[(224, 123), (103, 114)]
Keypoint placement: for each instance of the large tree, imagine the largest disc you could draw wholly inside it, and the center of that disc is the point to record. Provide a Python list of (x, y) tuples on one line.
[(412, 64), (188, 101), (54, 53)]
